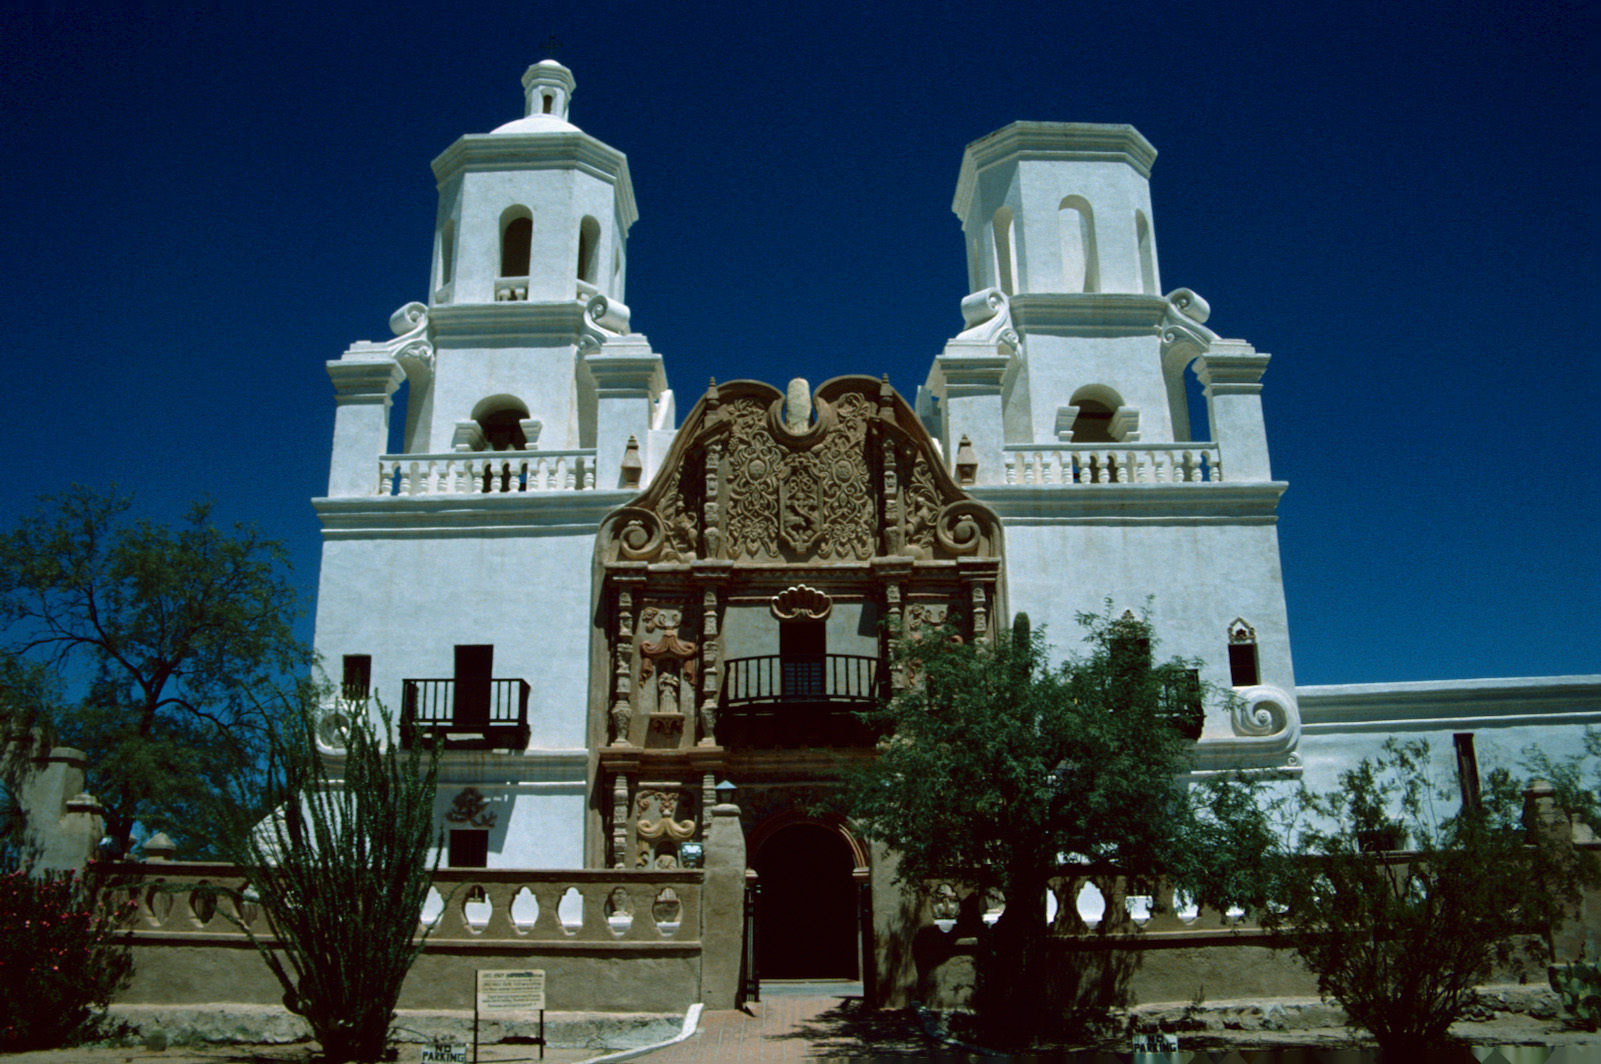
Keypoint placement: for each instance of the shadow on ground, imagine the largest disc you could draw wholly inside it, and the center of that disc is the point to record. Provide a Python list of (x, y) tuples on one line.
[(849, 1029)]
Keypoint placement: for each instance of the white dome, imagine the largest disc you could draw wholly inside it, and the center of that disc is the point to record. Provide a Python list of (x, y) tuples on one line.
[(537, 123)]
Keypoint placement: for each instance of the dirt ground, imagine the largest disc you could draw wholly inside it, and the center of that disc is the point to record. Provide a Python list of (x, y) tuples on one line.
[(1505, 1030)]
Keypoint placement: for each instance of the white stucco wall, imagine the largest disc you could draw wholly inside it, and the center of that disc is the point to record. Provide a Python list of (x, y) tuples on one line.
[(1195, 574)]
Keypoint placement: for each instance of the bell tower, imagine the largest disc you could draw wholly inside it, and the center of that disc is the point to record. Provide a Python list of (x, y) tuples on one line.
[(1059, 207), (1069, 338), (524, 342), (536, 211)]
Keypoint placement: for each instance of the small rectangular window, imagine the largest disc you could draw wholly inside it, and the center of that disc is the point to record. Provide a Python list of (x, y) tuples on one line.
[(356, 683), (1243, 671), (1467, 769), (468, 848)]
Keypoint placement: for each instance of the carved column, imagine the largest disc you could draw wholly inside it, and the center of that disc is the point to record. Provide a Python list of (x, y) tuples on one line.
[(712, 537), (619, 822), (894, 532), (623, 659), (711, 665), (982, 576)]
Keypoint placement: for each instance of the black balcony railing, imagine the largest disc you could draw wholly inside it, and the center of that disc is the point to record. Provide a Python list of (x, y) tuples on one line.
[(483, 714), (777, 701)]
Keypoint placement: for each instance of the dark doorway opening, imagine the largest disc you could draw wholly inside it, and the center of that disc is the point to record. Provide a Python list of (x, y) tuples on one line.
[(474, 665), (806, 917)]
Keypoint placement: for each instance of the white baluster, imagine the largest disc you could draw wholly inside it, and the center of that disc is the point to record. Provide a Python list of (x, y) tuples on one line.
[(589, 476), (1217, 465), (1011, 469), (1055, 474)]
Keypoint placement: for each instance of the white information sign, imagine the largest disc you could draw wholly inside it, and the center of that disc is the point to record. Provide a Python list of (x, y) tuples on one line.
[(511, 991), (445, 1053)]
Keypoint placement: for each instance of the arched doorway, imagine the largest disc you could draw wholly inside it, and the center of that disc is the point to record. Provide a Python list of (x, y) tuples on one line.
[(806, 918)]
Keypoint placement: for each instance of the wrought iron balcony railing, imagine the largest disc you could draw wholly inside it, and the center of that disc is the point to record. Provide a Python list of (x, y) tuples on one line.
[(830, 678), (487, 714), (777, 701)]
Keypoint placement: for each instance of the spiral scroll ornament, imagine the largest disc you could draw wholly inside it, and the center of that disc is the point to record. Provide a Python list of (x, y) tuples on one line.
[(960, 527), (1262, 710), (639, 534)]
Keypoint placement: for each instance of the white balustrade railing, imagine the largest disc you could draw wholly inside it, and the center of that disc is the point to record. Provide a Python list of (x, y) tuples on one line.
[(1121, 463), (485, 472)]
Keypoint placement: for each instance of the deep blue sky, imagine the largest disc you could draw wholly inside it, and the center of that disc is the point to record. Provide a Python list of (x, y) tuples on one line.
[(1394, 199)]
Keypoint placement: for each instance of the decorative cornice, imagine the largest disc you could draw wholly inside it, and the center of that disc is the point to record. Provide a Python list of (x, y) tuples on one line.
[(1101, 504), (1056, 141), (437, 516), (576, 150), (1088, 313), (1451, 704), (1228, 372), (457, 323)]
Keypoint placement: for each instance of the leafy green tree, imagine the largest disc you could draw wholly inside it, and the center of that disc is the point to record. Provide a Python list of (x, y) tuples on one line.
[(1401, 939), (341, 870), (1002, 768), (146, 646)]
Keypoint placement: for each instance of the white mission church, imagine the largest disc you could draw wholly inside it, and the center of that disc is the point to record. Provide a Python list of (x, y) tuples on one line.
[(715, 570)]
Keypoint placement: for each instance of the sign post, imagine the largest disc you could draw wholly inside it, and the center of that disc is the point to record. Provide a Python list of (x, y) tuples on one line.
[(510, 991)]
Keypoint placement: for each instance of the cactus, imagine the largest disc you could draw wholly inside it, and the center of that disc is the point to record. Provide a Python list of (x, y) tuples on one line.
[(1579, 984)]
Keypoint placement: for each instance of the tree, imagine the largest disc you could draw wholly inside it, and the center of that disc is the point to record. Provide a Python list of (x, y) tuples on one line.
[(1401, 939), (1000, 769), (341, 869), (146, 646)]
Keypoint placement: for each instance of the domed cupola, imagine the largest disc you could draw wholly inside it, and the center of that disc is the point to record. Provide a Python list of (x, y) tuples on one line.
[(537, 211), (548, 90)]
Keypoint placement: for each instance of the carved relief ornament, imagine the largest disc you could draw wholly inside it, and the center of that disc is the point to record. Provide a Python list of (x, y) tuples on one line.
[(860, 478)]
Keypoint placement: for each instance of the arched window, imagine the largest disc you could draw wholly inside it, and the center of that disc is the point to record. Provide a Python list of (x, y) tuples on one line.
[(1102, 416), (1005, 252), (550, 103), (501, 417), (588, 250), (447, 253), (1080, 270), (516, 242), (1093, 423), (1142, 229)]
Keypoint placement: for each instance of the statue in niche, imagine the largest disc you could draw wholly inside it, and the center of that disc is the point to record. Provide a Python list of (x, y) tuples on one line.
[(671, 661)]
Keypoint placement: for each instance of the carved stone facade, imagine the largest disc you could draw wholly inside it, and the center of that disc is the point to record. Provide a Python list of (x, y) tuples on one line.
[(831, 512)]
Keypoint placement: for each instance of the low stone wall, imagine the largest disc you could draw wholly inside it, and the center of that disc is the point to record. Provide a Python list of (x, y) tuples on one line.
[(633, 945)]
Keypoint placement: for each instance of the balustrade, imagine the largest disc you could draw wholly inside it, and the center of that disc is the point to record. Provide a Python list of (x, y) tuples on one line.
[(1097, 903), (486, 472), (1068, 464), (476, 905)]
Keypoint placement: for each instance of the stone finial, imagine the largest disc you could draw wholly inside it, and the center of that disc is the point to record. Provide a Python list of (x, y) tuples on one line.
[(632, 466), (966, 462), (159, 847), (798, 406)]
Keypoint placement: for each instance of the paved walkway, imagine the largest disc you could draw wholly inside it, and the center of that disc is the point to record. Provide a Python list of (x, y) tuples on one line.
[(799, 1021)]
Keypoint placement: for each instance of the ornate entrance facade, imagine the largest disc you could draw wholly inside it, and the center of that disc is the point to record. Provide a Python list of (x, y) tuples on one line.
[(747, 603)]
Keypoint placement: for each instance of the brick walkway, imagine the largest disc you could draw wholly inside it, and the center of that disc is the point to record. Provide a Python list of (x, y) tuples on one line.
[(799, 1021)]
